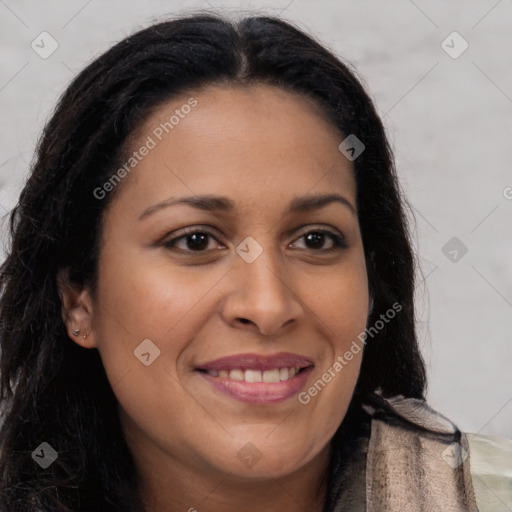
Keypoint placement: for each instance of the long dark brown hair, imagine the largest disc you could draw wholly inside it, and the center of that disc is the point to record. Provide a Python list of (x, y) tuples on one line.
[(54, 391)]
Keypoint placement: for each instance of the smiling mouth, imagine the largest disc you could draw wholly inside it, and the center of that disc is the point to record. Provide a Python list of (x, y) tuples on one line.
[(257, 378), (258, 387)]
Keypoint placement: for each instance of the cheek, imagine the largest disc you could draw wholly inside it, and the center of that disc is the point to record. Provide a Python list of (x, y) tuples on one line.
[(342, 315), (340, 303), (143, 300), (145, 309), (146, 300), (340, 300), (137, 302)]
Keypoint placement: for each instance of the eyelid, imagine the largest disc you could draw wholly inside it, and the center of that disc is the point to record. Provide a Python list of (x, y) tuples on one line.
[(317, 227)]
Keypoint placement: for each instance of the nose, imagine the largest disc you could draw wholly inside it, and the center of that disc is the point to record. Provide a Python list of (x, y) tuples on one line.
[(262, 297)]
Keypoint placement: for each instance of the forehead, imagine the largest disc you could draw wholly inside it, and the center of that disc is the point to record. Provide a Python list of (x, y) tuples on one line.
[(257, 142)]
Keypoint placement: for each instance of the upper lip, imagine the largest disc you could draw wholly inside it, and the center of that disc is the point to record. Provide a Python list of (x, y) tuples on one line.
[(257, 362)]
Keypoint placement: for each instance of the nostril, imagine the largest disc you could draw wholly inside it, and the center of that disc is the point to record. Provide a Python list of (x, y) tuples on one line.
[(244, 320)]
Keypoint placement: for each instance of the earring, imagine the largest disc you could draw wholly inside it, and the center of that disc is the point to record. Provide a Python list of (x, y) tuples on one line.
[(76, 332), (84, 335)]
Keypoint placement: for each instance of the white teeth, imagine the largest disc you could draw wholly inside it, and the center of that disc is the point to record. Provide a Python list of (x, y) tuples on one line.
[(273, 375), (253, 376), (236, 374)]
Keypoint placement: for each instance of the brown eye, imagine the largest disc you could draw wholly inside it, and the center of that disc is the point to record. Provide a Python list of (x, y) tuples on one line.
[(316, 239), (193, 240)]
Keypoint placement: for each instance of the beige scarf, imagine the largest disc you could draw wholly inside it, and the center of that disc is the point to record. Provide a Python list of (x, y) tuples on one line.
[(415, 460)]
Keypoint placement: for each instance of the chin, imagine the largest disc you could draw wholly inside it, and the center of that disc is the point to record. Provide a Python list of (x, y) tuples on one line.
[(260, 458), (267, 467)]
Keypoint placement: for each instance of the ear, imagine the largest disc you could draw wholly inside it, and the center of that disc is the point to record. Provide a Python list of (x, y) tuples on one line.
[(76, 310)]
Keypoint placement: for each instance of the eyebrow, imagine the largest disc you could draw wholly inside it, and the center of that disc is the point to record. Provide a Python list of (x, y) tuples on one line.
[(224, 204)]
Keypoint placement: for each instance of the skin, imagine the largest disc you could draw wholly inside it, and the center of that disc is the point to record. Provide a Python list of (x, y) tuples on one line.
[(261, 147)]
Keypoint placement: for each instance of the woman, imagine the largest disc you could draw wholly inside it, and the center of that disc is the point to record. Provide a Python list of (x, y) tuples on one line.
[(208, 300)]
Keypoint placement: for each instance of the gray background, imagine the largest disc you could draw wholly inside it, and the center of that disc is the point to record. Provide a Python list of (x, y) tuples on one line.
[(448, 119)]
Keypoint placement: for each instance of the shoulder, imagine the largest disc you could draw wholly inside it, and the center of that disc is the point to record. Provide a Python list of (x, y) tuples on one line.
[(418, 459), (414, 458), (490, 459)]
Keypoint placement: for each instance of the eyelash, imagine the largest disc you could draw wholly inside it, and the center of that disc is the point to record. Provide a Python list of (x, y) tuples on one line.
[(339, 242)]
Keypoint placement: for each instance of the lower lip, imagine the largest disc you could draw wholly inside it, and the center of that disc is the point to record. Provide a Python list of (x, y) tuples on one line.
[(259, 392)]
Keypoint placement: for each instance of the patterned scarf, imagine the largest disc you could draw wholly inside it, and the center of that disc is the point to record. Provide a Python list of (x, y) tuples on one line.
[(399, 455)]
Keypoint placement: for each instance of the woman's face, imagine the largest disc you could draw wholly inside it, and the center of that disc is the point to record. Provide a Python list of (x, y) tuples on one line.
[(260, 291)]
